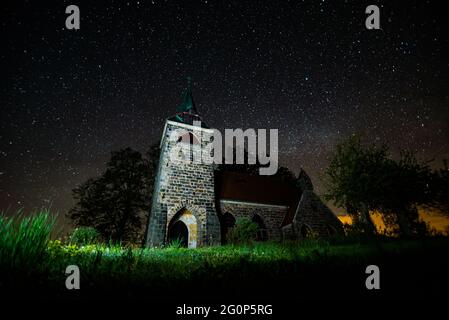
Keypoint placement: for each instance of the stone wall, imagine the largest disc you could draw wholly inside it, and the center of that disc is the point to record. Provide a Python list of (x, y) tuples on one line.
[(183, 184), (271, 215), (288, 232)]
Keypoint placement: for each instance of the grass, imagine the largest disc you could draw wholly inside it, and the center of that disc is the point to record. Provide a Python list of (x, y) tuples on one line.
[(24, 239), (314, 267)]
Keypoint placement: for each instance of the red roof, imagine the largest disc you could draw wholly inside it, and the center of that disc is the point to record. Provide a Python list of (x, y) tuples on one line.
[(260, 189)]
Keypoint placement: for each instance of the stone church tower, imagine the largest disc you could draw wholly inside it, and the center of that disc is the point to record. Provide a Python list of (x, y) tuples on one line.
[(183, 204)]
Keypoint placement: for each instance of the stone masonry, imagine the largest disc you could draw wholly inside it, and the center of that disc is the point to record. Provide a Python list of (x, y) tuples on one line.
[(272, 215), (195, 205), (183, 184)]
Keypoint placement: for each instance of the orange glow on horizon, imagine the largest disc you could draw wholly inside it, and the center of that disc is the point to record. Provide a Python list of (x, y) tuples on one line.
[(436, 220)]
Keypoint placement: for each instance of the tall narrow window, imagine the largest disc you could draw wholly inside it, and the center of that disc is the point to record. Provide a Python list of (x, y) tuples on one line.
[(262, 234)]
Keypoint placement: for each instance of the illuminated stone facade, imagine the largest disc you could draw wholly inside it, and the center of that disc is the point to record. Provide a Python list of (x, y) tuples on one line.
[(197, 205), (183, 186)]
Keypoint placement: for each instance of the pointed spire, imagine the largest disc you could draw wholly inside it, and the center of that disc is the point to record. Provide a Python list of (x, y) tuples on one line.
[(186, 111), (188, 105)]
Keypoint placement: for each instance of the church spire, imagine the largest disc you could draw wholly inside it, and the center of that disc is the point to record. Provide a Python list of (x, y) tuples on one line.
[(188, 105), (186, 111)]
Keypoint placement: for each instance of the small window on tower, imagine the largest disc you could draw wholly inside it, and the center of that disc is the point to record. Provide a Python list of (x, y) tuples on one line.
[(188, 138)]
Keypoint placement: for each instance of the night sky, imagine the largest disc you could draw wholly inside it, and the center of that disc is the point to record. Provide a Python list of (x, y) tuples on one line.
[(310, 69)]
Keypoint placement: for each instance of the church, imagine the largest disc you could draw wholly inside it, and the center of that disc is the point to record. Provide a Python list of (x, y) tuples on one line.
[(199, 203)]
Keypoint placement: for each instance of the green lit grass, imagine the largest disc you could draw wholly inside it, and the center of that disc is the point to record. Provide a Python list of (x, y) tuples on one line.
[(24, 239), (29, 260)]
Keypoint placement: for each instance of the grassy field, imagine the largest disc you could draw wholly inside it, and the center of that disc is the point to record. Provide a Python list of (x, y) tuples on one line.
[(31, 264)]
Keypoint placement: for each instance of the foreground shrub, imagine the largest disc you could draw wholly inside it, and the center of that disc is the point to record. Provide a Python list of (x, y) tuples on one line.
[(85, 235), (24, 239), (245, 231), (175, 244)]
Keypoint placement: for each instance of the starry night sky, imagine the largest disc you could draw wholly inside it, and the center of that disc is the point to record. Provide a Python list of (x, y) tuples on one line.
[(310, 69)]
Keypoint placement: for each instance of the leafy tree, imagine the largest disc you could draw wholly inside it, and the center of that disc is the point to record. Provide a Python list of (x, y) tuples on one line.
[(245, 167), (153, 162), (116, 202), (351, 179), (287, 175), (365, 178), (283, 173), (405, 186)]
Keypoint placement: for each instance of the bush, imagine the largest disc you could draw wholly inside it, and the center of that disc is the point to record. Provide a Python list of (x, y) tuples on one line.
[(245, 231), (175, 244), (85, 235)]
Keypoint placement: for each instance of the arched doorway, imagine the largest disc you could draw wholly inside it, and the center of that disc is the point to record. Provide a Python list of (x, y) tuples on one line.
[(227, 223), (262, 234), (306, 232), (178, 232), (183, 226)]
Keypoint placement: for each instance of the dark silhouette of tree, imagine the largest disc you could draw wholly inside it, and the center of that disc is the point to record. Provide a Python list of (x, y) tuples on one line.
[(351, 177), (245, 167), (405, 185), (117, 202), (286, 175), (153, 155), (365, 178), (283, 173), (440, 189)]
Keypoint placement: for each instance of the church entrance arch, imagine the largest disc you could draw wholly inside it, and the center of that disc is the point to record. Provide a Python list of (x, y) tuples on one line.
[(183, 227), (178, 232)]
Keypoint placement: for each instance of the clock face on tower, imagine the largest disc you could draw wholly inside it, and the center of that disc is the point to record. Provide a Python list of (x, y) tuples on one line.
[(168, 150)]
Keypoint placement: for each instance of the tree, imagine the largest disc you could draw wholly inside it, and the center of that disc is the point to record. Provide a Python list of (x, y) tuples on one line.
[(405, 186), (116, 202), (440, 188), (351, 179), (153, 155), (283, 173), (365, 178)]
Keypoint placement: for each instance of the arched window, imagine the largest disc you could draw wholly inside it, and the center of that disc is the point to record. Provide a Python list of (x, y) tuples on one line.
[(262, 234), (188, 137), (187, 140), (227, 223), (306, 232)]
